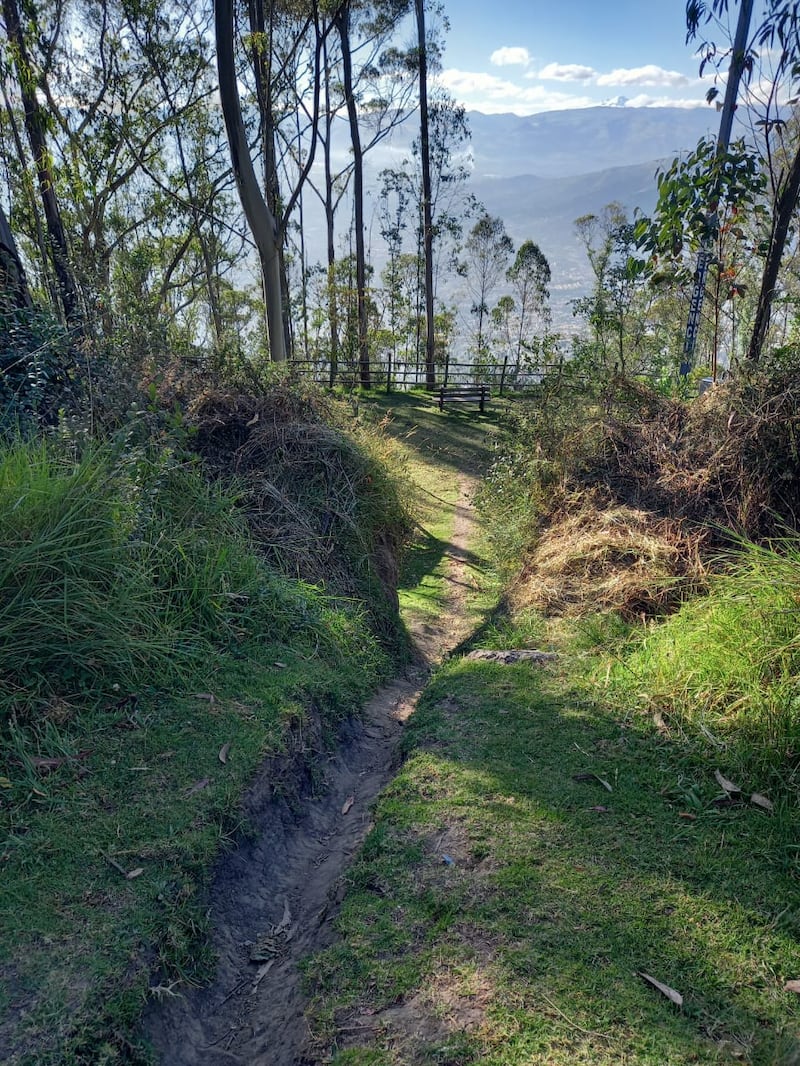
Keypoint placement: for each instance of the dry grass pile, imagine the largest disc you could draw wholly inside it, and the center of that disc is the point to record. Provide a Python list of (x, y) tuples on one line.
[(641, 491), (595, 557), (728, 460), (318, 499)]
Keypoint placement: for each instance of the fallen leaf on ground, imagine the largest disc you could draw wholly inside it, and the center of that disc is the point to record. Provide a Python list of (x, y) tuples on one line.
[(762, 801), (4, 782), (286, 920), (725, 784), (223, 753), (198, 786), (280, 666), (261, 973), (659, 723), (134, 873), (689, 817), (348, 803), (792, 986), (593, 777), (209, 697), (46, 765), (253, 420), (665, 990)]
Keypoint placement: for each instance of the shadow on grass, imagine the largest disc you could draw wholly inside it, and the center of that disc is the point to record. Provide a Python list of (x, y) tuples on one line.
[(460, 440), (559, 889)]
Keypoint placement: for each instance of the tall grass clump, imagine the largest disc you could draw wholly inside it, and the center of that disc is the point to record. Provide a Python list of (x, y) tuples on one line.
[(129, 568), (726, 667), (72, 602)]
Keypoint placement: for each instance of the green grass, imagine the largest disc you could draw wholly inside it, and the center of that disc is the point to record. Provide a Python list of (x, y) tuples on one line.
[(507, 901), (559, 892), (725, 668), (437, 449), (150, 660)]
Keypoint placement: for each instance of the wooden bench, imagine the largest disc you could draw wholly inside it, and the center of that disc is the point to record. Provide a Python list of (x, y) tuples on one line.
[(464, 394)]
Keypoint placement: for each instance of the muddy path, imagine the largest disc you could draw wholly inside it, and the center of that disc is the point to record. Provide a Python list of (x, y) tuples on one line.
[(273, 900)]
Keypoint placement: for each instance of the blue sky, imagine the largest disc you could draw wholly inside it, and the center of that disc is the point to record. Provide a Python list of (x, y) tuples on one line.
[(526, 56)]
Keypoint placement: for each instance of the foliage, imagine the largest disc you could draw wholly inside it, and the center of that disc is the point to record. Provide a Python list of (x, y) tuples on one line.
[(725, 667), (618, 311), (123, 570), (37, 371)]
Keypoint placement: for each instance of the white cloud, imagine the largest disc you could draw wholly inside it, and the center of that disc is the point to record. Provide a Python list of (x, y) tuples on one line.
[(493, 95), (565, 72), (510, 57), (643, 100), (649, 75)]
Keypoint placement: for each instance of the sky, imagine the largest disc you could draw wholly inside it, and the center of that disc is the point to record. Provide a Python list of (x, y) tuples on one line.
[(525, 56)]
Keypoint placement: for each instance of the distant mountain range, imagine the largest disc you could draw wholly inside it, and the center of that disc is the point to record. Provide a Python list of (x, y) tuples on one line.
[(541, 172), (559, 144)]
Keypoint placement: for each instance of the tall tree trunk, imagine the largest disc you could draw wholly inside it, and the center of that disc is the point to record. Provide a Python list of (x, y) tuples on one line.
[(427, 209), (30, 201), (259, 217), (342, 20), (14, 293), (333, 306), (262, 69), (787, 202), (35, 129)]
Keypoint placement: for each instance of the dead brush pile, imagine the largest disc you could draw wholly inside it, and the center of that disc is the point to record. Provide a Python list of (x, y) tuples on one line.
[(319, 500), (592, 556), (642, 491), (726, 461)]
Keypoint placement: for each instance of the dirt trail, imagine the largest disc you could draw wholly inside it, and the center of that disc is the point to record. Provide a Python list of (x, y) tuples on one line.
[(274, 898)]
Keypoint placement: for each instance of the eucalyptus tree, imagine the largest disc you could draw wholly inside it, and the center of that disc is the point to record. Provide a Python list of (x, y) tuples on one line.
[(14, 292), (681, 224), (376, 98), (487, 250), (771, 73), (427, 192), (617, 308), (31, 84), (261, 219), (529, 277)]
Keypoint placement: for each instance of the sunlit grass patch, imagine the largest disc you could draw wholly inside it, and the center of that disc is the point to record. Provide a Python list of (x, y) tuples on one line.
[(725, 668), (533, 838)]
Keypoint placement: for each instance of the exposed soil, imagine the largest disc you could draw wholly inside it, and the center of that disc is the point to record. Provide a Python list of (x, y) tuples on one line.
[(273, 900)]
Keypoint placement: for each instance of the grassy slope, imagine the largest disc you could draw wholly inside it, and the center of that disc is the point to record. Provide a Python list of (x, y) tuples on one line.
[(79, 939), (439, 451), (501, 910), (105, 850)]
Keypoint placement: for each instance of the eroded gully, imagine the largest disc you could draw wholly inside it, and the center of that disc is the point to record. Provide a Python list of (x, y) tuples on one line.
[(274, 898)]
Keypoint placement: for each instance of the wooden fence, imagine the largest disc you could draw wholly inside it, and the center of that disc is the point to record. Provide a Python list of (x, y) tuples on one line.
[(412, 375)]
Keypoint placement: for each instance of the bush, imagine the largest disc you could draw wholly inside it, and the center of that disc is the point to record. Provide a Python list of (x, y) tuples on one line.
[(37, 371)]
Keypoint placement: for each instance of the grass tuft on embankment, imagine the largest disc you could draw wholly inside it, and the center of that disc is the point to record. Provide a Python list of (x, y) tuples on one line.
[(153, 655)]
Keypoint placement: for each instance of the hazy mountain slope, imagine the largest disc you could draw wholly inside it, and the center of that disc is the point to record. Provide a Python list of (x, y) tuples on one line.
[(539, 173), (545, 209), (566, 143)]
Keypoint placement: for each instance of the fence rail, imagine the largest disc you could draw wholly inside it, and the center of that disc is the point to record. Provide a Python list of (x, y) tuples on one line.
[(411, 375)]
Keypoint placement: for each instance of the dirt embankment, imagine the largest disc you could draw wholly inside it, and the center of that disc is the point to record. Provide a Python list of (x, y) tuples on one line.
[(273, 900)]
